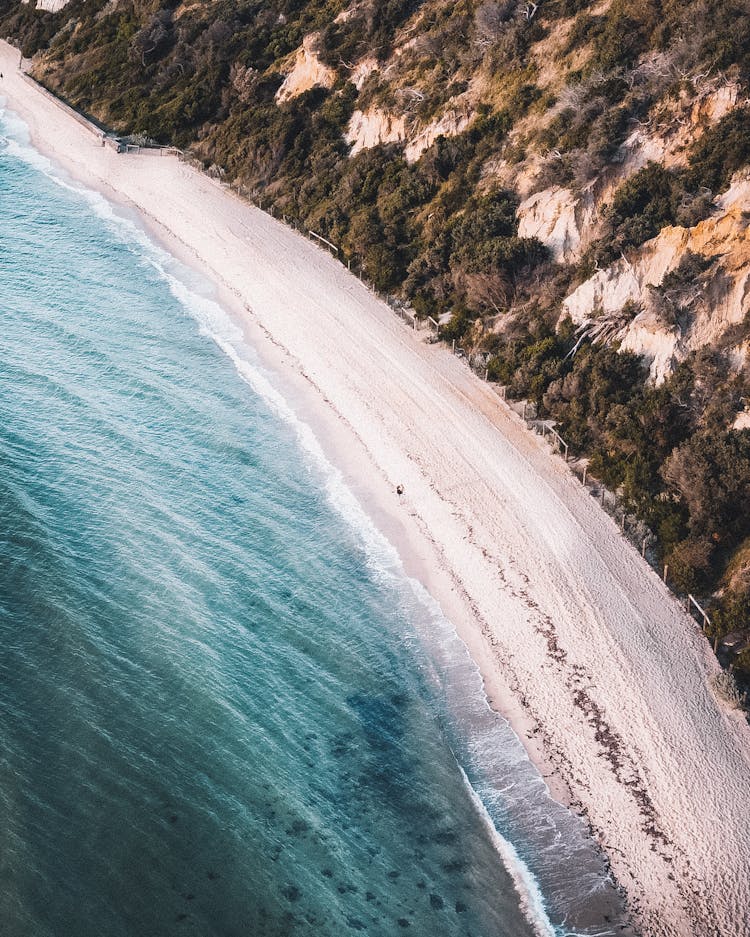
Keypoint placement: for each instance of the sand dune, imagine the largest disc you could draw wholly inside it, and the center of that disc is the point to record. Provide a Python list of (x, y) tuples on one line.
[(577, 638)]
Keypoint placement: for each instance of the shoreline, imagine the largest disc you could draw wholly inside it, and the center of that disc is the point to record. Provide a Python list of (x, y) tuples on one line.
[(582, 648), (345, 452)]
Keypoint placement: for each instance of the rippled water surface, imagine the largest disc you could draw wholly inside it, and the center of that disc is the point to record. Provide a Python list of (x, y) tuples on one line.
[(223, 708)]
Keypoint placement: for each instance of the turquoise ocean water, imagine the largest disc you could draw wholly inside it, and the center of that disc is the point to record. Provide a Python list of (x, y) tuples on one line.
[(224, 709)]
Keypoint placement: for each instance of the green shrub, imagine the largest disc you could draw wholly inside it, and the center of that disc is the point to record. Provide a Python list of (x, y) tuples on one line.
[(720, 152), (732, 613)]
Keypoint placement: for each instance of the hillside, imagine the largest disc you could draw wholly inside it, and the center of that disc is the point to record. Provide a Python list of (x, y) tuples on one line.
[(564, 185)]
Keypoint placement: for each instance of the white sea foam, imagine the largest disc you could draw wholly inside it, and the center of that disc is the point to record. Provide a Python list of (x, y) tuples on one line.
[(531, 899)]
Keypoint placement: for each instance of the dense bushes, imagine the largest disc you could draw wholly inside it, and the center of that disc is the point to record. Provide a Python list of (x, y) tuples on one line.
[(711, 473), (368, 30), (641, 207), (720, 152)]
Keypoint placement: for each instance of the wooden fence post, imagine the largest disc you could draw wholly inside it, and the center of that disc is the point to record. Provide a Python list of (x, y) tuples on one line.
[(706, 619)]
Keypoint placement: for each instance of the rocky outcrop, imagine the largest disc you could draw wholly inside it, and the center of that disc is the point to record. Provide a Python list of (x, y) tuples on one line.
[(307, 71), (674, 125), (372, 127), (362, 71), (566, 222), (560, 220), (718, 300), (450, 124), (49, 6), (375, 126)]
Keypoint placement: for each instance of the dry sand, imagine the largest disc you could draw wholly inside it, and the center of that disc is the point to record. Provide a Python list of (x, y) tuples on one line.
[(580, 643)]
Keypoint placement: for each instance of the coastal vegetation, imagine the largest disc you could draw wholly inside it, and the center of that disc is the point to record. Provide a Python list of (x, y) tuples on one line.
[(494, 101)]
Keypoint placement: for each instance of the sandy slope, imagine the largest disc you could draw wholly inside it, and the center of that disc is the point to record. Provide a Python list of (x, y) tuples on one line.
[(561, 613)]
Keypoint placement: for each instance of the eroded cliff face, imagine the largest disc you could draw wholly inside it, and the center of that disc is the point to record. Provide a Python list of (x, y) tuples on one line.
[(373, 128), (701, 311), (307, 71), (49, 6), (562, 221), (568, 221)]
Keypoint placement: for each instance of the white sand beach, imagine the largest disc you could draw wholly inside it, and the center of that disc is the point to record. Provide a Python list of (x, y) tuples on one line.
[(605, 677)]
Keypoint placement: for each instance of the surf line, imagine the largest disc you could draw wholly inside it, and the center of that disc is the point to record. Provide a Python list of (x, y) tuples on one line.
[(532, 900)]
